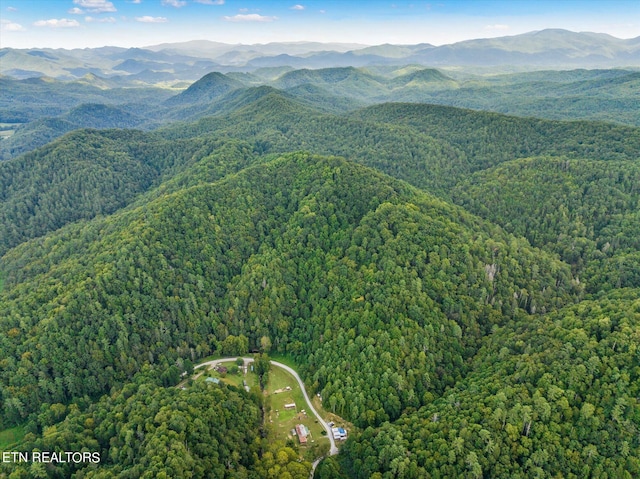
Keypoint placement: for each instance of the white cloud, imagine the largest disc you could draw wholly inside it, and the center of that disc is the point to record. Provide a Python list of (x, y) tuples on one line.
[(99, 20), (210, 2), (148, 19), (96, 6), (297, 7), (497, 27), (250, 17), (75, 11), (57, 23), (9, 26), (12, 9), (174, 3), (136, 1)]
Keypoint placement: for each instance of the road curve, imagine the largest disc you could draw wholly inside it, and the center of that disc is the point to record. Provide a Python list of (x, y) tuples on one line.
[(333, 450)]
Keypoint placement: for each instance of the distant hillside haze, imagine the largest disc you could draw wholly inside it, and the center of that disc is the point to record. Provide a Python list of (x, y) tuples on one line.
[(190, 60), (35, 111)]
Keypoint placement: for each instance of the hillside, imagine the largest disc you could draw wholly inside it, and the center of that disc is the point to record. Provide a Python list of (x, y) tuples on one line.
[(586, 211), (40, 132), (489, 139), (89, 173), (202, 431), (431, 147), (545, 397), (36, 98), (42, 110), (208, 88), (276, 233)]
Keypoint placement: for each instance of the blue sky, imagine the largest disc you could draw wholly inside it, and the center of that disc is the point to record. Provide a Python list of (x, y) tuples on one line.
[(95, 23)]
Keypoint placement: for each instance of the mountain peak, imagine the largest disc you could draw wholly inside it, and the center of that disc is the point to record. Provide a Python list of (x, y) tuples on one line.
[(210, 87)]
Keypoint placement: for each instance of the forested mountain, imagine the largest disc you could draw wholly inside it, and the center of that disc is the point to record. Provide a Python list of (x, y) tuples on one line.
[(552, 47), (25, 100), (461, 286), (552, 395), (431, 147), (277, 234), (208, 88), (89, 173), (586, 211), (349, 82), (40, 110), (454, 147), (428, 77), (40, 132), (608, 95)]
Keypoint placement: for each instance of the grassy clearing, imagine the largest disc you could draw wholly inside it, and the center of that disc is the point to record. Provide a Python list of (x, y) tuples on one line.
[(283, 420), (10, 436), (286, 360), (231, 379)]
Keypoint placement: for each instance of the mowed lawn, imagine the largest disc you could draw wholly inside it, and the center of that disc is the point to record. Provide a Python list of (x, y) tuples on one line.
[(10, 436), (282, 420)]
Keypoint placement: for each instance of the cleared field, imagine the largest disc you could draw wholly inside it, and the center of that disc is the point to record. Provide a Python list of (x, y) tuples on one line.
[(8, 129), (283, 389), (229, 378)]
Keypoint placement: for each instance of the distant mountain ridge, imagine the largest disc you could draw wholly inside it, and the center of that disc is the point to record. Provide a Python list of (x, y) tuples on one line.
[(38, 110), (191, 60)]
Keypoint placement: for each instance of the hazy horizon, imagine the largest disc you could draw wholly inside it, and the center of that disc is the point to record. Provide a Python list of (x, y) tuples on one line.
[(138, 23)]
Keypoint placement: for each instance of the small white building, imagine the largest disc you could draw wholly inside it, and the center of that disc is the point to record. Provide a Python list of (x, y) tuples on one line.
[(339, 433)]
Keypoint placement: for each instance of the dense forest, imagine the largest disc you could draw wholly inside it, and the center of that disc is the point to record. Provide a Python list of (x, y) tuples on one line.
[(38, 110), (461, 286), (545, 395)]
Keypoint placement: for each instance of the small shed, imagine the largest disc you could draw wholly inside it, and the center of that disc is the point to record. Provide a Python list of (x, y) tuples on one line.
[(302, 432)]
